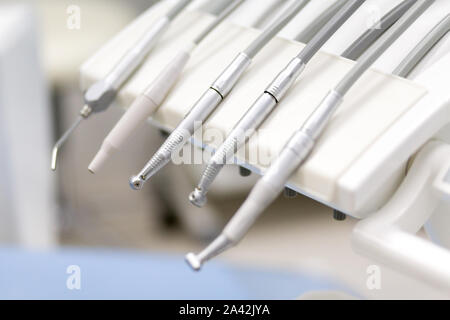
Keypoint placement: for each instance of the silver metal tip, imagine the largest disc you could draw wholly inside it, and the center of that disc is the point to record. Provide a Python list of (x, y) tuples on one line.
[(62, 140), (136, 183), (219, 245), (54, 158), (198, 198), (193, 261)]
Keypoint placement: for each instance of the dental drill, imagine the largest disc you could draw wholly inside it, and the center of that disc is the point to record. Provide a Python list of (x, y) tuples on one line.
[(300, 145), (270, 98), (152, 97), (213, 96), (102, 93)]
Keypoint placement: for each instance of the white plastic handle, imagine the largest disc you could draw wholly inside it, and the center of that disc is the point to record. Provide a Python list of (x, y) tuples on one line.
[(389, 235), (141, 109)]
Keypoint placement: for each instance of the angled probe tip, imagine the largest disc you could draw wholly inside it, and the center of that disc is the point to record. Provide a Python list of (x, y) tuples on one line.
[(62, 140), (54, 158)]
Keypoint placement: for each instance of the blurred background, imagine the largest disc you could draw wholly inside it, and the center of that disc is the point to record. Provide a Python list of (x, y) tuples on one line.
[(297, 245)]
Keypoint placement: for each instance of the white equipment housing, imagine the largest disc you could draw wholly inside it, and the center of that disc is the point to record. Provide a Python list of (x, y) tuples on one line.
[(363, 155)]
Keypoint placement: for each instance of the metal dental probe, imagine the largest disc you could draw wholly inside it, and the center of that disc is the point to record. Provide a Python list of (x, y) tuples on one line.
[(300, 145), (152, 97), (423, 48), (265, 104), (270, 98), (102, 93), (212, 98)]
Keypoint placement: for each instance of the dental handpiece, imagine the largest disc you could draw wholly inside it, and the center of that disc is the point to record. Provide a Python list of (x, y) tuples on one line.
[(270, 98), (300, 146), (212, 98), (102, 93), (152, 97)]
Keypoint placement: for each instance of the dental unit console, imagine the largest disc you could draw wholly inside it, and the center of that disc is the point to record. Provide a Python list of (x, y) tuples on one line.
[(382, 155), (300, 145)]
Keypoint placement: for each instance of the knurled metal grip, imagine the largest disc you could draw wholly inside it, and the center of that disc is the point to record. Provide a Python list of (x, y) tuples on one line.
[(230, 76), (286, 79)]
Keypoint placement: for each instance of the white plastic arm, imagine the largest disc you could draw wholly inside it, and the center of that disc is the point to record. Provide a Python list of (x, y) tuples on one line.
[(389, 235)]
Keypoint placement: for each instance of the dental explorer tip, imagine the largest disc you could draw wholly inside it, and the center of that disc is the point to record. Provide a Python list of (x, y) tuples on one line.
[(197, 198), (193, 261), (62, 140), (136, 183), (54, 158)]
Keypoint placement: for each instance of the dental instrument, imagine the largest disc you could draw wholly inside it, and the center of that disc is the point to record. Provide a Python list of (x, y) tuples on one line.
[(270, 98), (152, 97), (300, 145), (423, 48), (213, 96), (360, 45), (264, 105), (101, 94)]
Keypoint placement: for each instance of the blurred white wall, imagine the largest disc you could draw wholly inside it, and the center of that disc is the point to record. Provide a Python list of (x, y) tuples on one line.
[(27, 202)]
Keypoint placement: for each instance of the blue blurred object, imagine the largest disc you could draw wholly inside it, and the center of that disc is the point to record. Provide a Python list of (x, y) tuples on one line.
[(116, 274)]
